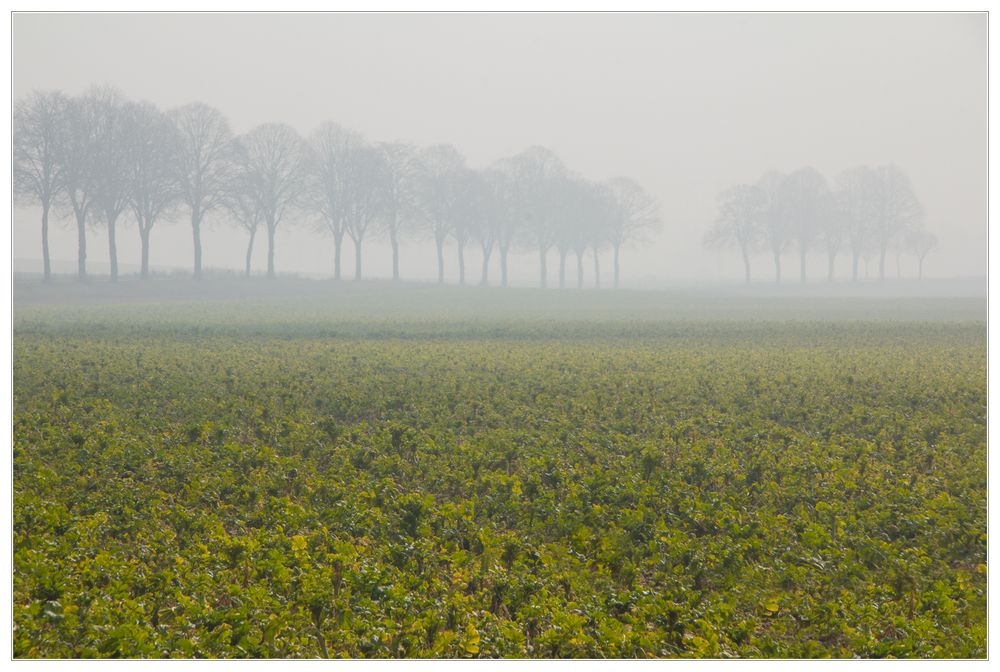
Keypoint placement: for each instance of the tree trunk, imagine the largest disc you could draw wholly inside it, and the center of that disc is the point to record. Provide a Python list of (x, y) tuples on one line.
[(46, 264), (395, 258), (597, 270), (270, 250), (746, 262), (440, 253), (617, 248), (81, 254), (357, 259), (144, 239), (802, 265), (113, 249), (253, 234), (920, 269), (543, 271), (579, 270), (196, 232), (503, 265), (461, 263), (338, 243), (485, 280), (854, 273), (899, 272), (562, 269), (881, 264), (829, 269), (777, 268)]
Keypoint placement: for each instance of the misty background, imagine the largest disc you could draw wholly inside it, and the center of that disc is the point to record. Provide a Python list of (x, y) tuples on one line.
[(686, 104)]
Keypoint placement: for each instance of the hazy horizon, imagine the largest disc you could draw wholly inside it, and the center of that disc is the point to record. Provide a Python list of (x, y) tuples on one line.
[(313, 457), (686, 104)]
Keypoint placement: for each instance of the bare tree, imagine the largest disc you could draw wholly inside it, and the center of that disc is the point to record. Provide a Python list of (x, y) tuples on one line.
[(594, 208), (565, 222), (473, 220), (332, 149), (895, 208), (440, 176), (902, 241), (597, 267), (367, 187), (579, 247), (398, 197), (487, 215), (39, 122), (583, 208), (274, 163), (921, 242), (634, 213), (593, 211), (856, 199), (241, 199), (204, 141), (774, 232), (75, 157), (598, 241), (742, 211), (111, 175), (834, 228), (802, 201), (153, 192), (481, 216), (503, 185), (869, 252), (589, 210), (535, 172)]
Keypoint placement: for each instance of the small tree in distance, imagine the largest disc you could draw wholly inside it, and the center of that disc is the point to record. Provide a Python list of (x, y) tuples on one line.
[(111, 177), (487, 214), (241, 201), (398, 195), (153, 190), (275, 164), (857, 202), (774, 229), (368, 183), (592, 210), (742, 212), (834, 226), (440, 172), (802, 206), (74, 156), (634, 213), (39, 121), (896, 208), (922, 243), (331, 151), (201, 164), (535, 173), (503, 185)]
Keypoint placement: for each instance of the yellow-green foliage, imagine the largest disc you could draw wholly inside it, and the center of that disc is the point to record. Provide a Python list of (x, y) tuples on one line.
[(755, 490)]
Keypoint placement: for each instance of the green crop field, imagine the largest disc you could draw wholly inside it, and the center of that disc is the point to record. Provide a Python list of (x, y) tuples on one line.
[(485, 474)]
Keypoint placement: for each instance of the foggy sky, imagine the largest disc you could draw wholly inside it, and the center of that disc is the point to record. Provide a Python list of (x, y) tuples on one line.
[(686, 104)]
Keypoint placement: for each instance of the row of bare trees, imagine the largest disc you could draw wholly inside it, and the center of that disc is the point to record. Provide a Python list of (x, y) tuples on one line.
[(867, 212), (106, 160)]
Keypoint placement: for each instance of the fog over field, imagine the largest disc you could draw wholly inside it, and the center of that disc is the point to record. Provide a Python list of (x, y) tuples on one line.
[(685, 105), (598, 336)]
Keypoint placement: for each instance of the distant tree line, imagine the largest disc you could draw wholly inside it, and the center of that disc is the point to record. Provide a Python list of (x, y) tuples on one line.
[(106, 160), (867, 213)]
